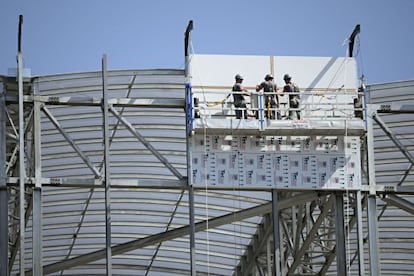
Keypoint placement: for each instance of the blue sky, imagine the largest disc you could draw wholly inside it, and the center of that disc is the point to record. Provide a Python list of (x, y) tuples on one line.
[(71, 36)]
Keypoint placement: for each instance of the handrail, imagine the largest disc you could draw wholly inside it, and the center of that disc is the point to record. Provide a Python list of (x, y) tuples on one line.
[(313, 104)]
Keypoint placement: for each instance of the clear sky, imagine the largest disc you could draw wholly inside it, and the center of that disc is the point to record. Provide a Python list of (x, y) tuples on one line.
[(71, 36)]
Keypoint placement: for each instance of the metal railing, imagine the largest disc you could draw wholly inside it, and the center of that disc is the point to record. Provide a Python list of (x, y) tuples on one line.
[(316, 105)]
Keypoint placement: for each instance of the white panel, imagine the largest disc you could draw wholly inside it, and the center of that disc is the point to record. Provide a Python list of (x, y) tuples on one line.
[(314, 72), (309, 171), (318, 72), (329, 77), (326, 162), (219, 70)]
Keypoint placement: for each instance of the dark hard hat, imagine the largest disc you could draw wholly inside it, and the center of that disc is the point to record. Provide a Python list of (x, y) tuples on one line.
[(268, 77), (238, 77), (287, 77)]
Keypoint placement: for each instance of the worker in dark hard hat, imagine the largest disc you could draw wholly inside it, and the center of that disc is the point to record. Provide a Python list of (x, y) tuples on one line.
[(271, 99), (294, 96), (238, 97)]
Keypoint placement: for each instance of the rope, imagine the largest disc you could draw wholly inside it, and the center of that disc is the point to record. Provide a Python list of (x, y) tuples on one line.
[(236, 163), (205, 164), (347, 215), (212, 104), (206, 198), (236, 206), (201, 81)]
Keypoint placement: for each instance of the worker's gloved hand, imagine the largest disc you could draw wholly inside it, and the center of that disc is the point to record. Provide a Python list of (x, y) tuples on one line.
[(294, 101)]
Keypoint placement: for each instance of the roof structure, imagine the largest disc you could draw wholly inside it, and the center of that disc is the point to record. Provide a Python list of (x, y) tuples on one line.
[(97, 175), (150, 200)]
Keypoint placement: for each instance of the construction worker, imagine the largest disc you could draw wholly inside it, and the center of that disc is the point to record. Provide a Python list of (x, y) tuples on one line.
[(271, 99), (238, 97), (294, 97)]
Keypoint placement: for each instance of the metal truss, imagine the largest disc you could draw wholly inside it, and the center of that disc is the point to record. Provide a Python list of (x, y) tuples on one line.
[(317, 229), (32, 106)]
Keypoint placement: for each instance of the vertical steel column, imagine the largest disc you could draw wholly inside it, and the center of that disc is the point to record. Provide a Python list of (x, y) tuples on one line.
[(372, 207), (187, 39), (373, 236), (107, 169), (192, 230), (22, 174), (340, 235), (370, 150), (283, 261), (37, 231), (269, 256), (276, 241), (360, 234), (37, 191), (4, 219)]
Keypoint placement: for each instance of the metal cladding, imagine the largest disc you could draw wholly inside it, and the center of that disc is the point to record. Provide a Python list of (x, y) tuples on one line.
[(149, 193)]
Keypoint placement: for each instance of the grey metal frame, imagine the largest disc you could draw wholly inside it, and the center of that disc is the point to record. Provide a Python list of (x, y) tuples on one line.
[(107, 177), (37, 254), (4, 210), (22, 169), (301, 215)]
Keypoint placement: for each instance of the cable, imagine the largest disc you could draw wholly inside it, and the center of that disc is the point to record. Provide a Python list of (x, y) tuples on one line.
[(201, 82), (347, 216), (205, 163), (205, 160)]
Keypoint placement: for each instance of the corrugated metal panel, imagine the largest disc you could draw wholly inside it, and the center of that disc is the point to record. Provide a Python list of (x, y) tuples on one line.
[(74, 218), (396, 231), (164, 128)]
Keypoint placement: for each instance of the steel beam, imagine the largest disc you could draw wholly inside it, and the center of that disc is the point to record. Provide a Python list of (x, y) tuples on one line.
[(398, 189), (37, 217), (192, 231), (263, 235), (269, 254), (393, 138), (179, 232), (395, 108), (72, 143), (93, 182), (400, 203), (4, 207), (373, 236), (14, 250), (289, 241), (177, 204), (350, 226), (97, 101), (370, 150), (340, 235), (276, 232), (115, 128), (22, 172), (360, 234), (298, 224), (107, 166), (263, 239), (146, 143), (311, 235), (187, 42), (37, 231)]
